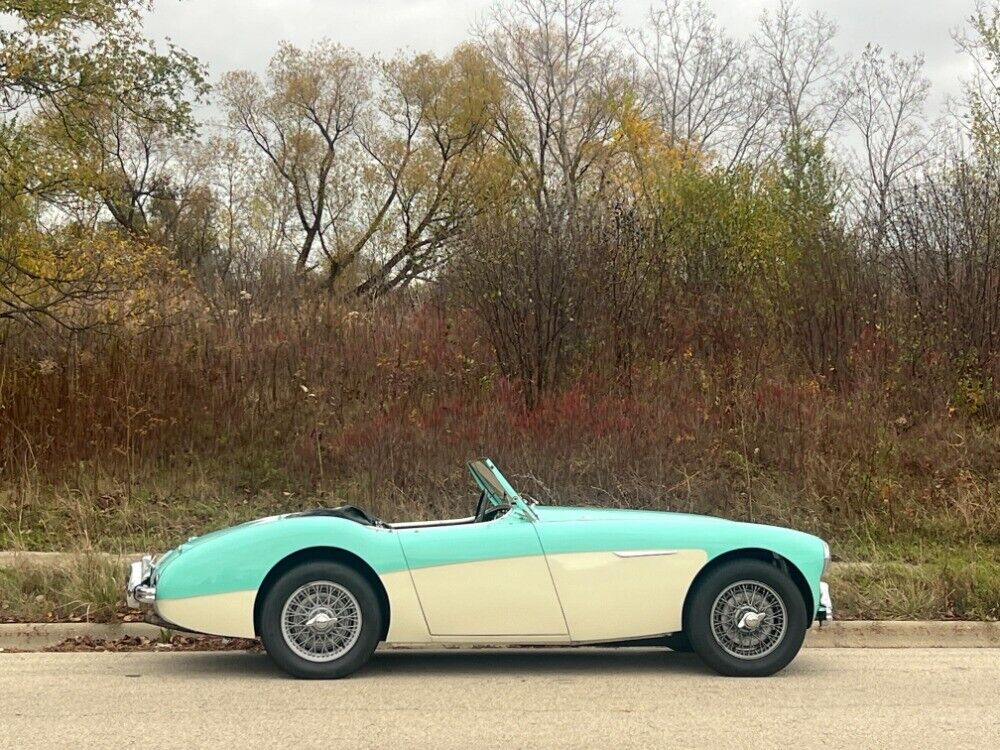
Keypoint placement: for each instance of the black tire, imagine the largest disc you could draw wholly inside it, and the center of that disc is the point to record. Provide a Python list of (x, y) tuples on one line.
[(710, 649), (290, 582), (678, 642)]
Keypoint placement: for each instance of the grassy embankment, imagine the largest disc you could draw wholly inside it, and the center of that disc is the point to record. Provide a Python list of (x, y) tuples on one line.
[(129, 446)]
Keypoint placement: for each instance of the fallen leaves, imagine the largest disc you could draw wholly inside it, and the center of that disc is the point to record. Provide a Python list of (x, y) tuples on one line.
[(138, 643)]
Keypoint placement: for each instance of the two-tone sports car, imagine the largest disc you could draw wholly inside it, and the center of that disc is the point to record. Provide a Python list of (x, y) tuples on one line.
[(322, 588)]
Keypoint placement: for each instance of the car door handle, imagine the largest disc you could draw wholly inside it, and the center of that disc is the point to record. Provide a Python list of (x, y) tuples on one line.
[(644, 552)]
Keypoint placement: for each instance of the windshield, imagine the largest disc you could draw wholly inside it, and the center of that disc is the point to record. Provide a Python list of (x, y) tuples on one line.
[(498, 490)]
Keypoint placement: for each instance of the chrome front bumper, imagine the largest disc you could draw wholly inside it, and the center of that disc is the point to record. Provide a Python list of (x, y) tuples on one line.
[(825, 611), (139, 590)]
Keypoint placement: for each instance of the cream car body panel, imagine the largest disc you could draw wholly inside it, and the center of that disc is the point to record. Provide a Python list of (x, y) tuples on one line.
[(510, 597), (406, 619), (608, 596), (229, 614)]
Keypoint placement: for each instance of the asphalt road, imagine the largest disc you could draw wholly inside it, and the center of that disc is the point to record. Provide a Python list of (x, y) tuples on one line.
[(838, 698)]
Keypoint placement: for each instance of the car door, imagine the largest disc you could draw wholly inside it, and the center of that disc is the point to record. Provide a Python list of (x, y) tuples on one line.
[(616, 580), (484, 579)]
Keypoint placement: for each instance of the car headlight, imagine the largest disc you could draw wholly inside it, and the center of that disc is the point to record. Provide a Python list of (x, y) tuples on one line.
[(826, 558)]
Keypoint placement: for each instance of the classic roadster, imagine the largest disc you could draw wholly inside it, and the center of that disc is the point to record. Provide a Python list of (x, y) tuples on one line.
[(322, 588)]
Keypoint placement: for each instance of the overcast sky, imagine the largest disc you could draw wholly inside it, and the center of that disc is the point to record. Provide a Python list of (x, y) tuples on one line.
[(228, 34)]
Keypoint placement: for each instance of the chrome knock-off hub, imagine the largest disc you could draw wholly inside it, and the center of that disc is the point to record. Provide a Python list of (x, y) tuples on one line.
[(749, 619)]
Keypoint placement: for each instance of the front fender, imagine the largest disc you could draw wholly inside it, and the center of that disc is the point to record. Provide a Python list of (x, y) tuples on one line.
[(805, 551)]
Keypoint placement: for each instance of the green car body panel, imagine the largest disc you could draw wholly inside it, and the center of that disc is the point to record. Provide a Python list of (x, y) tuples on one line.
[(239, 558)]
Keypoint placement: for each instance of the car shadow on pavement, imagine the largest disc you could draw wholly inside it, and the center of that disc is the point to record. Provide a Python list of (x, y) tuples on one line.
[(538, 661), (565, 661), (223, 664), (456, 661)]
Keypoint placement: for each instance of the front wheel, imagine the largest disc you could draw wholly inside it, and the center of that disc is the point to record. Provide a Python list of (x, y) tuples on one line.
[(320, 620), (747, 619)]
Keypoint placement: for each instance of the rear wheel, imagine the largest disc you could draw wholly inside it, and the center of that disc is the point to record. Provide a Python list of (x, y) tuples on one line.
[(320, 620), (747, 619)]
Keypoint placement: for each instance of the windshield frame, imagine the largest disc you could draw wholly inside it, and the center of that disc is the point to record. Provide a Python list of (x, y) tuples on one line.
[(498, 490)]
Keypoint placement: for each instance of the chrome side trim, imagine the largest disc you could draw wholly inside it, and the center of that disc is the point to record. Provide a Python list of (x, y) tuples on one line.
[(644, 552)]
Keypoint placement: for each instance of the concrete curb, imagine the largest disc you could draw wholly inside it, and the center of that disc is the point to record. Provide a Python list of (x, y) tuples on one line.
[(845, 634), (33, 636), (905, 634)]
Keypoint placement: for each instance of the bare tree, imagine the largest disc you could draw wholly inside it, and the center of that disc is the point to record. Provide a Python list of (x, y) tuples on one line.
[(982, 90), (885, 101), (943, 249), (547, 290), (694, 75), (801, 70), (563, 76)]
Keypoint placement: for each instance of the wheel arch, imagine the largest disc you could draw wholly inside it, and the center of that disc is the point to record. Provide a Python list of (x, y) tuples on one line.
[(331, 554), (753, 553)]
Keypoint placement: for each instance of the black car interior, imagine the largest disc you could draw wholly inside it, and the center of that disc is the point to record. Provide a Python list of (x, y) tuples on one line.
[(485, 512), (348, 512)]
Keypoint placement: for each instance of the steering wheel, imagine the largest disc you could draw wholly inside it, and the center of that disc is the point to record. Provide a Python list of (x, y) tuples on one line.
[(481, 507)]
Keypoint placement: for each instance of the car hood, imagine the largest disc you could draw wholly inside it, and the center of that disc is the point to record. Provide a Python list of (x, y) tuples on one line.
[(708, 530), (556, 514)]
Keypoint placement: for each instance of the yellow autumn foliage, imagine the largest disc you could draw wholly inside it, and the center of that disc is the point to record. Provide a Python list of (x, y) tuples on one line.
[(87, 279)]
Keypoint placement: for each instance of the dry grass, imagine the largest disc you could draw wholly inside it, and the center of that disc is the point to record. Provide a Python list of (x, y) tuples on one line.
[(87, 589), (958, 589)]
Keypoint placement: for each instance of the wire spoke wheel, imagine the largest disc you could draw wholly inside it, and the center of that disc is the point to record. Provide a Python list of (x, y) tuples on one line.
[(749, 619), (321, 621)]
